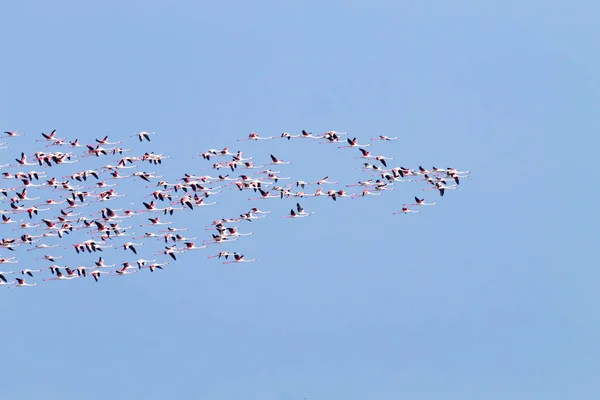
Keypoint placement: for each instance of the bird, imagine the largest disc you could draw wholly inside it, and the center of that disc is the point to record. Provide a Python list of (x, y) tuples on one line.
[(30, 271), (239, 258), (277, 161), (20, 282), (383, 137)]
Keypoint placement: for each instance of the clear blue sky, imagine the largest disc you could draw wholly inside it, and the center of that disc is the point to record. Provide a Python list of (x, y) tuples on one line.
[(491, 294)]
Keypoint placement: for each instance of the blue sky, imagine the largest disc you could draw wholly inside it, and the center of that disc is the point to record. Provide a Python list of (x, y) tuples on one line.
[(491, 294)]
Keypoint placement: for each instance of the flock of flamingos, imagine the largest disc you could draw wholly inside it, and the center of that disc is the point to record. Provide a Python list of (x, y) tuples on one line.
[(61, 215)]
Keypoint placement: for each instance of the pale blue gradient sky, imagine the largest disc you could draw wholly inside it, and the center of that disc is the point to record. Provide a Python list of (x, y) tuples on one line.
[(492, 294)]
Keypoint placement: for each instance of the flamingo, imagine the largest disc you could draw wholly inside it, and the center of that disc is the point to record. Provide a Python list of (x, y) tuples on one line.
[(421, 202), (141, 262), (364, 193), (8, 220), (331, 133), (148, 235), (21, 283), (170, 251), (441, 188), (353, 143), (300, 213), (153, 266), (223, 254), (100, 263), (49, 137), (2, 277), (156, 221), (251, 165), (23, 160), (277, 161), (220, 239), (96, 274), (405, 210), (81, 271), (254, 136), (191, 246), (324, 181), (171, 229), (288, 136), (308, 135), (265, 195), (239, 258), (276, 178), (130, 245), (143, 135), (12, 134), (105, 141), (43, 246), (362, 183), (249, 216), (50, 258), (257, 211), (124, 271), (30, 271), (383, 137)]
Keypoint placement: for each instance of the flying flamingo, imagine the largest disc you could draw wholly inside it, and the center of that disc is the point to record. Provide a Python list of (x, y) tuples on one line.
[(49, 258), (148, 235), (300, 213), (124, 271), (49, 137), (257, 211), (233, 232), (23, 160), (405, 210), (156, 221), (421, 202), (153, 266), (2, 277), (238, 258), (105, 141), (141, 262), (323, 181), (288, 136), (170, 251), (332, 139), (21, 283), (96, 274), (130, 245), (366, 192), (191, 246), (383, 137), (363, 183), (143, 135), (277, 161), (442, 188), (254, 136), (43, 246), (30, 271), (100, 263), (265, 195), (331, 133), (12, 134), (224, 254), (308, 135), (353, 143), (61, 277)]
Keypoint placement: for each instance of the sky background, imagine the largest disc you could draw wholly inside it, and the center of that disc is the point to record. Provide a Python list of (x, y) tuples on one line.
[(490, 294)]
